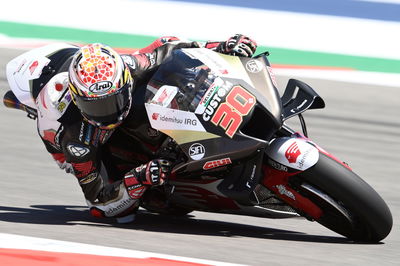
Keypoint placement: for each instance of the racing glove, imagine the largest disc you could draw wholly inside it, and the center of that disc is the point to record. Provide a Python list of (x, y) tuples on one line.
[(154, 173), (239, 45)]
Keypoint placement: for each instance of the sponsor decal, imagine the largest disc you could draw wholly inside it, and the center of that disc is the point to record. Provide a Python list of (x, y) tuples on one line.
[(197, 151), (283, 191), (212, 95), (61, 106), (77, 150), (254, 66), (216, 163), (304, 158), (136, 191), (277, 165), (163, 118), (129, 61), (33, 70), (68, 97), (155, 116), (253, 174), (229, 115), (213, 104), (33, 67), (122, 206), (165, 95), (174, 119), (88, 179), (292, 152), (20, 67), (100, 87)]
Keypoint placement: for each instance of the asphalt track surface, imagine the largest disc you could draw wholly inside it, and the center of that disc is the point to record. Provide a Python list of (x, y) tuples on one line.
[(360, 125)]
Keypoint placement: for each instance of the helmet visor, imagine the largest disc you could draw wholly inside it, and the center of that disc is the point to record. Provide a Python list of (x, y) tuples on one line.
[(107, 109)]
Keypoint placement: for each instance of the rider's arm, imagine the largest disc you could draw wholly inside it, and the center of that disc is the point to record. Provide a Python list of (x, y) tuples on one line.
[(106, 198), (150, 57), (80, 145)]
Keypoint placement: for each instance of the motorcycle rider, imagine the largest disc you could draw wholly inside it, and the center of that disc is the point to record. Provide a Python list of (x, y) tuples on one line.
[(101, 133)]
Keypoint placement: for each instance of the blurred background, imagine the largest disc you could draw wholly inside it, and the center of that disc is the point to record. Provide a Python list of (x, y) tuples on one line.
[(347, 50), (330, 35)]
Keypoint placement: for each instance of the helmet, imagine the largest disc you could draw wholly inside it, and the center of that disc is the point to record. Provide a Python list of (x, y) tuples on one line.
[(100, 84)]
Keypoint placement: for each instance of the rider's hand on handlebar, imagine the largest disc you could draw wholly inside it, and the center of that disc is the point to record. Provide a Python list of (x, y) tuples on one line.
[(239, 45), (153, 173)]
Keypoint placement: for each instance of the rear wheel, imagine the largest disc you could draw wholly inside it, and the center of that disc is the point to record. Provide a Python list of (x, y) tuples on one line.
[(350, 206)]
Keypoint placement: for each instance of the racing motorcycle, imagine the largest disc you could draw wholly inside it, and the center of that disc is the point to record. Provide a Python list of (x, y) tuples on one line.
[(234, 152)]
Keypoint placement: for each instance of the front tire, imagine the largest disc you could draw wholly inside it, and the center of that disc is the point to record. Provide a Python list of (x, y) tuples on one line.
[(350, 206)]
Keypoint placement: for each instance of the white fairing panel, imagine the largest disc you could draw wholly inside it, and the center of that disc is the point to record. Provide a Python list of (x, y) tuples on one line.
[(52, 102), (28, 66), (162, 118), (293, 152)]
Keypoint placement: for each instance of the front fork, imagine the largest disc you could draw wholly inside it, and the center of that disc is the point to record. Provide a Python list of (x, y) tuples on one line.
[(278, 182), (286, 158)]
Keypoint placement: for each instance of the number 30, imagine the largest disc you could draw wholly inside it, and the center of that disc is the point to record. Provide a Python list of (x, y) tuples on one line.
[(229, 114)]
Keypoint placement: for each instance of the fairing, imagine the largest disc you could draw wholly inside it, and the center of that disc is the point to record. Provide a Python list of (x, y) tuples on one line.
[(23, 72), (200, 96)]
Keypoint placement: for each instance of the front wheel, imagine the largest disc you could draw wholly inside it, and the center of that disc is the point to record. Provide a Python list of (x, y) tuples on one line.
[(349, 205)]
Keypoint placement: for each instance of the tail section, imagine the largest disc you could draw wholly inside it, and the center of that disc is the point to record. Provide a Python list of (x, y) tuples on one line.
[(11, 101)]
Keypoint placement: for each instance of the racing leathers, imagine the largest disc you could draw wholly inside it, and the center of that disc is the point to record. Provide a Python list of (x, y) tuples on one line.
[(114, 167)]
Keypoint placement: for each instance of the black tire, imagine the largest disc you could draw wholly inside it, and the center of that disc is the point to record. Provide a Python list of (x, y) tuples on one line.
[(370, 218)]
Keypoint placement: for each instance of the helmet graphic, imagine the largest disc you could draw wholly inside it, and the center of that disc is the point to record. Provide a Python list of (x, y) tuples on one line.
[(100, 84)]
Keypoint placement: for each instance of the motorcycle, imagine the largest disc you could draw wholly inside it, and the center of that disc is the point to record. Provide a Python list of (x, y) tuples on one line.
[(234, 153)]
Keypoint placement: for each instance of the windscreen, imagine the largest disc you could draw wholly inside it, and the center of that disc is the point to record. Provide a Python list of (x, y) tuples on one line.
[(218, 93), (180, 83)]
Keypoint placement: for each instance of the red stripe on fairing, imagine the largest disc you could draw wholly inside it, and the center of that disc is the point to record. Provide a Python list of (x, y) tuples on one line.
[(333, 158), (19, 257)]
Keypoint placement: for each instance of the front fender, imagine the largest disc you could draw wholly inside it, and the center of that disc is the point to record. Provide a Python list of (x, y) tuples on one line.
[(295, 153)]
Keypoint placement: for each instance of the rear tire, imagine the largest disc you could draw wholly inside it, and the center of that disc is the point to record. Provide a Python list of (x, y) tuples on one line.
[(360, 213)]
